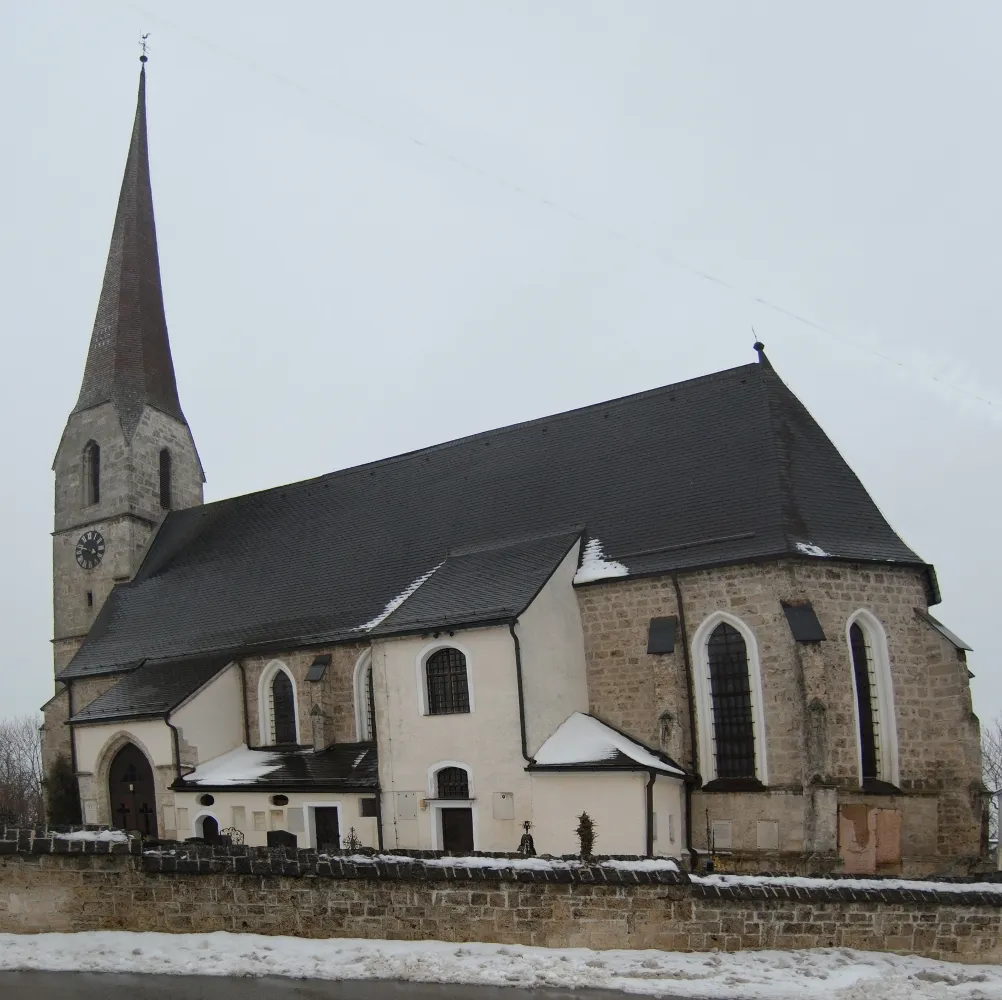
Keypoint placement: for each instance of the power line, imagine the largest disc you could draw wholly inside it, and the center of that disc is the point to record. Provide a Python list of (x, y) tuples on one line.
[(546, 202)]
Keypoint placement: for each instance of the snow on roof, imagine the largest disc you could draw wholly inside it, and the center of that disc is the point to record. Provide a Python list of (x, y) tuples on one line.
[(810, 549), (235, 768), (397, 601), (582, 739), (594, 565)]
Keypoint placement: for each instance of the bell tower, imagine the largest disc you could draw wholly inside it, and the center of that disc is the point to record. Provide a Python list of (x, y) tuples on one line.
[(127, 455)]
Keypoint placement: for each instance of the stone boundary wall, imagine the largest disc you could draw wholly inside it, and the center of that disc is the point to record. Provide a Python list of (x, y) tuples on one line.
[(49, 884)]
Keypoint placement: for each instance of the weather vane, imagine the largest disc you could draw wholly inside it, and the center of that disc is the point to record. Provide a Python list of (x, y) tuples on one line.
[(142, 45)]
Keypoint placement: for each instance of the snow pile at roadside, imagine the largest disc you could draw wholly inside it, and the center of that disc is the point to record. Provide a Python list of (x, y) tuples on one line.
[(524, 864), (805, 882), (113, 836), (750, 975), (594, 565)]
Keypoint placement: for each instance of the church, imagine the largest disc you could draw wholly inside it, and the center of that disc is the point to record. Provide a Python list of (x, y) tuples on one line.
[(678, 611)]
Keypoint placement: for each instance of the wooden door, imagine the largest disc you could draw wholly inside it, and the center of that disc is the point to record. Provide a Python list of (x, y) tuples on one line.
[(457, 830), (131, 792), (328, 831)]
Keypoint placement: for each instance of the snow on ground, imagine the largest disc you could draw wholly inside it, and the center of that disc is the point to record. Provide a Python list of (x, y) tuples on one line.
[(803, 882), (114, 836), (530, 864), (594, 565), (582, 739), (749, 975), (234, 768)]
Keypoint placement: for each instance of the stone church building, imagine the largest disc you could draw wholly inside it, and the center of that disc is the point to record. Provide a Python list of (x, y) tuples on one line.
[(679, 611)]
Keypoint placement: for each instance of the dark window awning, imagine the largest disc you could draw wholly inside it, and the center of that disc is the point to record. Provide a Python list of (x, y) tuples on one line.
[(943, 630), (661, 637), (319, 667), (803, 621)]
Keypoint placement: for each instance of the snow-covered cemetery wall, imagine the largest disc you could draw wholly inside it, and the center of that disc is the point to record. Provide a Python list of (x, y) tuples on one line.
[(93, 880)]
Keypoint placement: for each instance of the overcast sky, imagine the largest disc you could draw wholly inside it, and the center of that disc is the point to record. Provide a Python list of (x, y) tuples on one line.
[(384, 225)]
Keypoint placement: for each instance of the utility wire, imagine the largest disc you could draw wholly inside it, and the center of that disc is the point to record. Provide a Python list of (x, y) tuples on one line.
[(401, 135)]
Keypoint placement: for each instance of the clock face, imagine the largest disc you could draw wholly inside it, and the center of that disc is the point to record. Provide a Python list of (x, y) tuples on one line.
[(90, 549)]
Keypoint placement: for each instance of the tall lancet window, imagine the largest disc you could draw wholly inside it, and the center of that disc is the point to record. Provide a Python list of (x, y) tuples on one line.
[(283, 709), (730, 691), (867, 700), (165, 479), (91, 473), (876, 728)]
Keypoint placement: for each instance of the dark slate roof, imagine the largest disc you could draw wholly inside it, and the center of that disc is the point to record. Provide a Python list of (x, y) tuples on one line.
[(129, 362), (492, 584), (343, 765), (721, 469), (153, 688)]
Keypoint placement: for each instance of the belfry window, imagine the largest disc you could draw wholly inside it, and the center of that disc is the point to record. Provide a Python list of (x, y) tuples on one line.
[(448, 687), (165, 479), (283, 709), (730, 692), (91, 473), (867, 702)]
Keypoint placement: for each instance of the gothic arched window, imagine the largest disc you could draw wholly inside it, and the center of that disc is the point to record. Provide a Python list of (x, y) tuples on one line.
[(448, 687), (91, 473), (283, 709), (165, 479), (871, 679), (453, 783), (730, 692)]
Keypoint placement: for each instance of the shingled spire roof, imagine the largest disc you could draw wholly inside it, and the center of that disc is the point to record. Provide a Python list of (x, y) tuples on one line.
[(129, 362)]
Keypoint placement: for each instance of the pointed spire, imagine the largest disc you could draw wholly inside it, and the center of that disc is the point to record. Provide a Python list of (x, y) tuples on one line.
[(129, 362)]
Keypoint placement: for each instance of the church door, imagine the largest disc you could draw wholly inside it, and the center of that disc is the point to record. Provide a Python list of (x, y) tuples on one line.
[(131, 792), (457, 830)]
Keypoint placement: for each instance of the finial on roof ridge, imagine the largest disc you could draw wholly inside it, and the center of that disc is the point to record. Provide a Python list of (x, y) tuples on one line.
[(142, 43), (760, 348)]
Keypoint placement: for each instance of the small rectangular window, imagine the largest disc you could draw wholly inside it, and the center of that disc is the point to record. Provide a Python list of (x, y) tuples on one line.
[(90, 598), (367, 806)]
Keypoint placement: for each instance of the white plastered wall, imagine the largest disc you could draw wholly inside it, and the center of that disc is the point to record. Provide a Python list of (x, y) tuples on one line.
[(554, 680), (486, 740), (238, 808), (154, 736), (617, 804), (211, 721)]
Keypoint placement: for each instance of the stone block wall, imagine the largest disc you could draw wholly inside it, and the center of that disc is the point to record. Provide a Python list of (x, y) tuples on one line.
[(334, 694), (51, 885), (808, 698)]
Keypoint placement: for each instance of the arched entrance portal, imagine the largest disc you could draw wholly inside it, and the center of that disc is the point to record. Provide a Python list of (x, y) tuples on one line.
[(131, 792)]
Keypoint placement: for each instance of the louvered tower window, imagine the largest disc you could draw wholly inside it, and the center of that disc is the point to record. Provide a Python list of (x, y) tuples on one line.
[(283, 709), (453, 783), (448, 691), (730, 691), (866, 701), (91, 473), (165, 479)]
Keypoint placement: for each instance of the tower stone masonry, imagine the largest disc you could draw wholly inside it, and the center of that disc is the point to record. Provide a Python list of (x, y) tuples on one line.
[(126, 455)]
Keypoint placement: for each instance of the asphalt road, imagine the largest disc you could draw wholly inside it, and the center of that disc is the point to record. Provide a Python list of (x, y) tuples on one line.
[(104, 986)]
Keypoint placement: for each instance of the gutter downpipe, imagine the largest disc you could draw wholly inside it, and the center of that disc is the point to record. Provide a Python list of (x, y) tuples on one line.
[(650, 812), (521, 694), (177, 747), (693, 762), (243, 692), (379, 818)]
